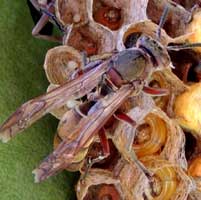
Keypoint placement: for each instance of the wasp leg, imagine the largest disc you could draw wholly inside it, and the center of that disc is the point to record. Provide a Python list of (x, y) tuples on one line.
[(155, 91), (95, 96), (104, 143), (42, 22), (124, 117), (35, 4), (110, 83), (106, 152), (105, 147), (90, 162), (133, 158), (131, 153)]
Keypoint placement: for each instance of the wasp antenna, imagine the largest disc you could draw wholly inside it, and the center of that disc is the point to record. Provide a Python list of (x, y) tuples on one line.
[(162, 21), (183, 46)]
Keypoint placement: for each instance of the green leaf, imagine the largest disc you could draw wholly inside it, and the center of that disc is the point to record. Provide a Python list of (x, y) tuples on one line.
[(21, 78)]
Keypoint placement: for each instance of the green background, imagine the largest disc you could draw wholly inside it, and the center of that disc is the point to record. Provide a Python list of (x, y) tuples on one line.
[(22, 77)]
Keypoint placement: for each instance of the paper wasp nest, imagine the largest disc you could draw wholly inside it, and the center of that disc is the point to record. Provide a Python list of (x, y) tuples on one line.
[(158, 140), (151, 156)]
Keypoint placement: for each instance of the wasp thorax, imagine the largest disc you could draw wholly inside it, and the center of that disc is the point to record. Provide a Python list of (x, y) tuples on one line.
[(155, 50), (131, 64)]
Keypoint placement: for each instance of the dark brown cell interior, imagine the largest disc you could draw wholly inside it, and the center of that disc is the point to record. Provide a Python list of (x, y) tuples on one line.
[(187, 65), (84, 40), (85, 107), (107, 15), (145, 129), (130, 40), (68, 9), (102, 192), (155, 84), (190, 145)]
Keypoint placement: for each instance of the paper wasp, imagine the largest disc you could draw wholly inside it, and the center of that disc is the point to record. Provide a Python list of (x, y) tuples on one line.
[(124, 74)]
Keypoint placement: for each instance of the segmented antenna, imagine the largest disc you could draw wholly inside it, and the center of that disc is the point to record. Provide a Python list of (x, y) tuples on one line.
[(183, 46), (162, 21)]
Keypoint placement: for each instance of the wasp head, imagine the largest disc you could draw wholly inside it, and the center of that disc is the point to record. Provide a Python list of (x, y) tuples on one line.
[(157, 52)]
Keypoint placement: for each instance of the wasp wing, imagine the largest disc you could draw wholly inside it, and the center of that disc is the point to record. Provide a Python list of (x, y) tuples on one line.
[(67, 151), (34, 109)]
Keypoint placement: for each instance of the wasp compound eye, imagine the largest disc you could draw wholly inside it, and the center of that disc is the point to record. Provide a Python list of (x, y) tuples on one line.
[(155, 50)]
